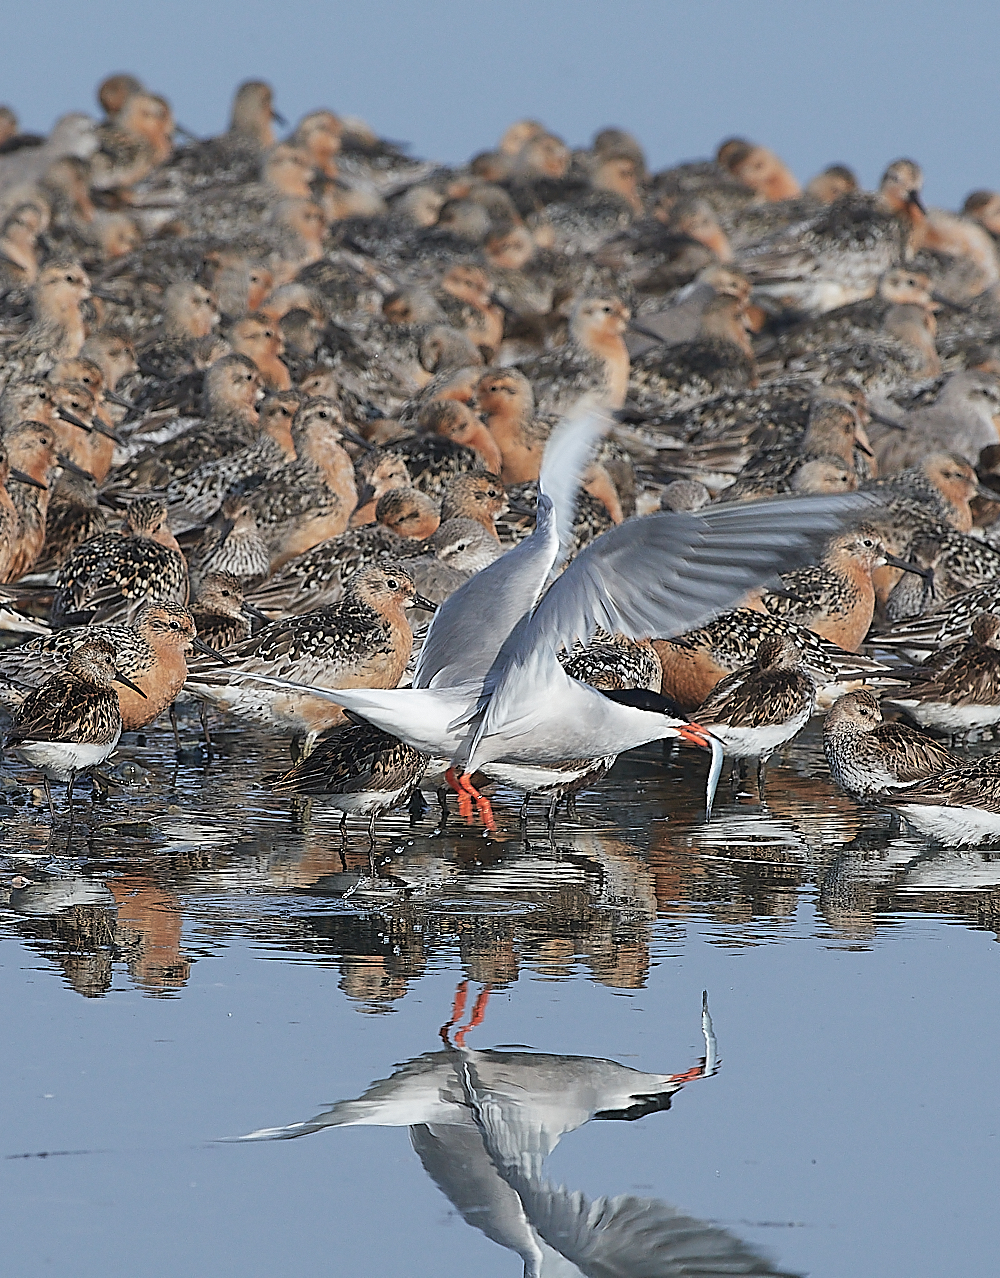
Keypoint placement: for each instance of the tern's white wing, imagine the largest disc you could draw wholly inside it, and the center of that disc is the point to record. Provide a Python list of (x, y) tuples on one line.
[(470, 626)]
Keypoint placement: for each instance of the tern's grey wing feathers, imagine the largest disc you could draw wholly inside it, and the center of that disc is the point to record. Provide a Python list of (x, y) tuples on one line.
[(424, 1090), (660, 575), (469, 628), (491, 603), (456, 1160), (627, 1237), (568, 452)]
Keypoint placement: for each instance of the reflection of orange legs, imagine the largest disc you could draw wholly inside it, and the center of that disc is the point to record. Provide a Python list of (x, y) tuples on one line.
[(458, 1010), (478, 1013), (467, 795)]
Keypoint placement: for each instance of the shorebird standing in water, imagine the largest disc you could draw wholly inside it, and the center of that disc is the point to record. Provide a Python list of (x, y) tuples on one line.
[(72, 722)]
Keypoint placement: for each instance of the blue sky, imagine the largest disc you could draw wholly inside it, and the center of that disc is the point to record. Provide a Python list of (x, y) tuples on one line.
[(854, 82)]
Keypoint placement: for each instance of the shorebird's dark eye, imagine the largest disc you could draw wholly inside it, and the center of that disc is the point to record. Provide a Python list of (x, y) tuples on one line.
[(392, 583)]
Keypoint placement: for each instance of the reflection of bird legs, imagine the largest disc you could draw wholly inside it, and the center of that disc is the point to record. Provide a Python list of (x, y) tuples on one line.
[(458, 1010), (467, 795)]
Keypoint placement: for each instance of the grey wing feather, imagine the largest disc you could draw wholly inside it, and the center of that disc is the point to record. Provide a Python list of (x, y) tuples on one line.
[(655, 577), (627, 1237), (663, 574), (470, 627), (623, 1237), (569, 451)]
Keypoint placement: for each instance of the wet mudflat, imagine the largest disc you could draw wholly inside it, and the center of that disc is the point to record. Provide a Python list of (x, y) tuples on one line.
[(502, 1042)]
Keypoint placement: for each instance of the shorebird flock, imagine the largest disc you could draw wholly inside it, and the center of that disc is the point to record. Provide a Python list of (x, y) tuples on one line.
[(480, 476)]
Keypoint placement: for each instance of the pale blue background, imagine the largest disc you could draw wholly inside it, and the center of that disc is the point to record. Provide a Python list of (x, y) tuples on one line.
[(855, 81)]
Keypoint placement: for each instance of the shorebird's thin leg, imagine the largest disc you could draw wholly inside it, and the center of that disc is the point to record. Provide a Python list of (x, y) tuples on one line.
[(173, 724), (69, 796), (524, 809), (371, 845), (442, 798), (417, 806), (48, 796), (553, 809), (295, 747), (571, 812), (762, 775), (343, 838), (203, 716)]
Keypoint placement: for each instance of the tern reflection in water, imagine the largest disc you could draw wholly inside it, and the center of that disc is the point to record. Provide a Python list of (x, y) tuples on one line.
[(482, 1124)]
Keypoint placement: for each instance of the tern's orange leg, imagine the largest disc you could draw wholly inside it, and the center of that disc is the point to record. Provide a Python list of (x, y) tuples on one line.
[(478, 1013), (483, 805), (464, 800)]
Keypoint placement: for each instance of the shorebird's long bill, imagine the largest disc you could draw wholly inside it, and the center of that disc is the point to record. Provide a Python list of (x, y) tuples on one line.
[(249, 610), (909, 567), (22, 478), (209, 651), (120, 678), (420, 601), (353, 437), (107, 432), (634, 326), (65, 416), (67, 463)]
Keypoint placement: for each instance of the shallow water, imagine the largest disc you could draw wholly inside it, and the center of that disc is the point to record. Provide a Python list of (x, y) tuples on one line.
[(198, 968)]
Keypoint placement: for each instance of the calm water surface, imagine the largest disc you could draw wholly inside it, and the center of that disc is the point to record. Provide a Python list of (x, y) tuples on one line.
[(198, 969)]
